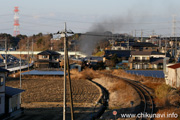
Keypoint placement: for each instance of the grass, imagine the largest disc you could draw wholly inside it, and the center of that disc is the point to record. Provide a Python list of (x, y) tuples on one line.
[(162, 91), (100, 53)]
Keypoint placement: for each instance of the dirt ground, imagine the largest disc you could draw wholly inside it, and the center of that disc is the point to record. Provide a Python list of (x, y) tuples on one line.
[(53, 111)]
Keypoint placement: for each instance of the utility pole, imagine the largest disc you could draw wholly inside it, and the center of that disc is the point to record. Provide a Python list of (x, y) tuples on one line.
[(28, 52), (135, 34), (128, 43), (66, 70), (141, 35), (64, 95), (174, 35), (32, 50), (20, 75), (153, 32), (160, 43), (6, 53), (165, 46)]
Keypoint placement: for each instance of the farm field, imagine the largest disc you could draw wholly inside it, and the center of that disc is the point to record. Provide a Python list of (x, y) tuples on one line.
[(43, 98), (51, 90)]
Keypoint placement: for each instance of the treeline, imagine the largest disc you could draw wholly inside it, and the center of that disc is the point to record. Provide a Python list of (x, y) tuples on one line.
[(40, 42), (12, 42)]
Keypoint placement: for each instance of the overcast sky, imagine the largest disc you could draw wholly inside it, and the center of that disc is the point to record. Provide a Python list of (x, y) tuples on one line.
[(118, 16)]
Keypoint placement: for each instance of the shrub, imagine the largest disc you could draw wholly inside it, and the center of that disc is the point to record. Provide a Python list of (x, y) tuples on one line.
[(162, 91)]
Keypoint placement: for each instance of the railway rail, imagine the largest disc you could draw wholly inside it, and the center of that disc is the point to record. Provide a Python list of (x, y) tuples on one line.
[(146, 98)]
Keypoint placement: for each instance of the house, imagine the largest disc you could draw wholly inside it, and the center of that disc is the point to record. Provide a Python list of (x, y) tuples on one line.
[(10, 103), (48, 59), (75, 66), (173, 75), (146, 60), (139, 60)]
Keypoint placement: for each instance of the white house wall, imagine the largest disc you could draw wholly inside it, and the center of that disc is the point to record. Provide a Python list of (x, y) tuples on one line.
[(171, 77), (141, 56)]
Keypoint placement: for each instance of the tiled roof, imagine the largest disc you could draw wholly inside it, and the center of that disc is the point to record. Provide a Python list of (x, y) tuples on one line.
[(10, 91), (146, 53), (143, 44), (119, 53), (48, 52), (175, 66), (140, 52), (157, 53), (156, 60), (3, 70)]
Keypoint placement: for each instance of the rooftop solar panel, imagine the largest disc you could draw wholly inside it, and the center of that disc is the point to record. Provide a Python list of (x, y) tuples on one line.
[(147, 73)]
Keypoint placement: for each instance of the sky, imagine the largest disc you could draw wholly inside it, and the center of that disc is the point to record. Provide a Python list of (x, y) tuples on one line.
[(118, 16)]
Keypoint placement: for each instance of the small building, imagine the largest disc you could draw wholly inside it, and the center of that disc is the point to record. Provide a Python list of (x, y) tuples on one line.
[(48, 59), (75, 66), (173, 75), (9, 98), (12, 101)]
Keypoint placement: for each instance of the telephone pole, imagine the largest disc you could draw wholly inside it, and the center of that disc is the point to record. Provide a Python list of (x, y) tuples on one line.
[(141, 35), (32, 50), (6, 53), (28, 52), (174, 35), (64, 95), (66, 71)]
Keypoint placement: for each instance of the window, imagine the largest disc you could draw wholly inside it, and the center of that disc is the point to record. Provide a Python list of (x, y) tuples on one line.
[(44, 56), (144, 58), (1, 80), (137, 58)]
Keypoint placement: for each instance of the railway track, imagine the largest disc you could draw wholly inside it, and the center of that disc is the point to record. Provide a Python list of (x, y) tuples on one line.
[(146, 98)]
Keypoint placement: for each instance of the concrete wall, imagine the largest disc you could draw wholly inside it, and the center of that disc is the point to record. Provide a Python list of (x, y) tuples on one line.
[(171, 78), (178, 77)]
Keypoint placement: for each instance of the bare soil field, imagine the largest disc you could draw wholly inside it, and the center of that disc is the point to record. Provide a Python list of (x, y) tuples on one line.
[(51, 90), (43, 97)]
